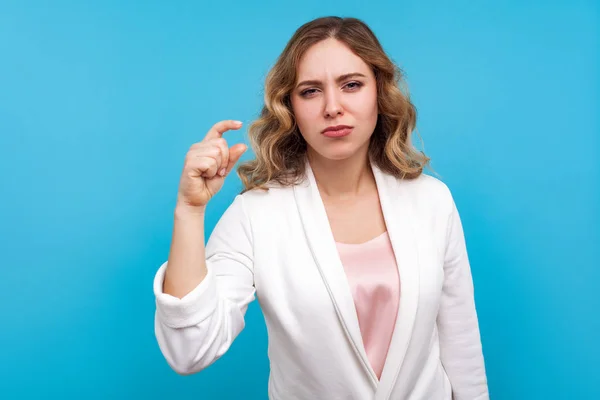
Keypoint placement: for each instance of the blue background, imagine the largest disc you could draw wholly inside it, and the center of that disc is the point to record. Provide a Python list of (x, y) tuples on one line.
[(99, 104)]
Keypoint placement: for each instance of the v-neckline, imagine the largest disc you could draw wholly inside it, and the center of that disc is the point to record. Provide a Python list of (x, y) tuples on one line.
[(368, 242), (398, 212)]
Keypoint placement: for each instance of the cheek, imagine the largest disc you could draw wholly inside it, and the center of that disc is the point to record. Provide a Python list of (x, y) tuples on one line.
[(365, 105), (306, 114)]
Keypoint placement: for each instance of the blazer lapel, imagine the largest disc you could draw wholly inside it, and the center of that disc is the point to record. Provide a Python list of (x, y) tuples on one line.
[(320, 239), (399, 218)]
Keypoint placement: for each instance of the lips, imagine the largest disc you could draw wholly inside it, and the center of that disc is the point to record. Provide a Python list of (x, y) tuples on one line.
[(337, 131)]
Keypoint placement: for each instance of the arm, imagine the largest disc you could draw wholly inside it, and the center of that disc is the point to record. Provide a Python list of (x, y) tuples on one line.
[(460, 343), (197, 329), (186, 266)]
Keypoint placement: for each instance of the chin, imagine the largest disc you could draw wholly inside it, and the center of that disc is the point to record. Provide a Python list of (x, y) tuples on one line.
[(338, 154)]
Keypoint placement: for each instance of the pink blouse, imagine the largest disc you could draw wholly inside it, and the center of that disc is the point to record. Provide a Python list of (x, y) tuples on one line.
[(372, 273)]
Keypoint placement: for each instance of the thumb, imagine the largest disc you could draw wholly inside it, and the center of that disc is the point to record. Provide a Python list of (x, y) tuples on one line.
[(235, 152)]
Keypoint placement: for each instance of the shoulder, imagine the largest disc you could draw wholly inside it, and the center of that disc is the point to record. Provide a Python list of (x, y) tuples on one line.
[(428, 193), (260, 202), (426, 185), (253, 208)]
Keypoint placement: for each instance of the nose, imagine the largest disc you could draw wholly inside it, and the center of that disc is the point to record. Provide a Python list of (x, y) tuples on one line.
[(333, 107)]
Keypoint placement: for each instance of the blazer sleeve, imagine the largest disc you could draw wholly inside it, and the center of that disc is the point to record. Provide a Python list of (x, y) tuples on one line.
[(460, 343), (196, 330)]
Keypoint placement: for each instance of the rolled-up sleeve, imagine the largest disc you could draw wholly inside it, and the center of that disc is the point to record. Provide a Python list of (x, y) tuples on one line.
[(196, 330)]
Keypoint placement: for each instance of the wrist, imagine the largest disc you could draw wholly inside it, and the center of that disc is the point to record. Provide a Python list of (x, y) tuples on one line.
[(185, 211)]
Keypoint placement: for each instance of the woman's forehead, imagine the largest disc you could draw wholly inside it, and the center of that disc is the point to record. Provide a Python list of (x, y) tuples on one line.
[(329, 59)]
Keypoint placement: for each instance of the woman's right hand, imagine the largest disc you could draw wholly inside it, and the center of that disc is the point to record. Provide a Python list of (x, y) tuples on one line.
[(207, 163)]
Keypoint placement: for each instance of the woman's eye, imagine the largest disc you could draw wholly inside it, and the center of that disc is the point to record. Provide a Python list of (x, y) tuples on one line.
[(353, 85), (307, 92)]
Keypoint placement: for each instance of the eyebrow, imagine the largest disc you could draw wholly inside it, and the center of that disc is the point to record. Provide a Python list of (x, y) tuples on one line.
[(338, 80)]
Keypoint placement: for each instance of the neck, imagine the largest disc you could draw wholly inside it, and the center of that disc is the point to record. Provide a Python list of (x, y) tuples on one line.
[(342, 178)]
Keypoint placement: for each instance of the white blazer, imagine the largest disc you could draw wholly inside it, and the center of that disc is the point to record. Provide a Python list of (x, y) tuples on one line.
[(278, 246)]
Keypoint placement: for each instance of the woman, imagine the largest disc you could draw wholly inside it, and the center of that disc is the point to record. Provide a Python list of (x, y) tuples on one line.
[(357, 258)]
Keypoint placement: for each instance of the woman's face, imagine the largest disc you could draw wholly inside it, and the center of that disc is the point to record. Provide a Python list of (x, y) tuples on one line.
[(335, 88)]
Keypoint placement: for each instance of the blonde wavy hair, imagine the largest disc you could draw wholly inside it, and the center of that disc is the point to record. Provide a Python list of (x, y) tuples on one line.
[(278, 145)]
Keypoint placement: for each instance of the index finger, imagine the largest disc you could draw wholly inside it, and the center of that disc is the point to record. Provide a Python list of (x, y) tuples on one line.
[(221, 127)]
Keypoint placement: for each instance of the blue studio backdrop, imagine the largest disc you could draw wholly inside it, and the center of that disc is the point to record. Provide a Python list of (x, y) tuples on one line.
[(100, 101)]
